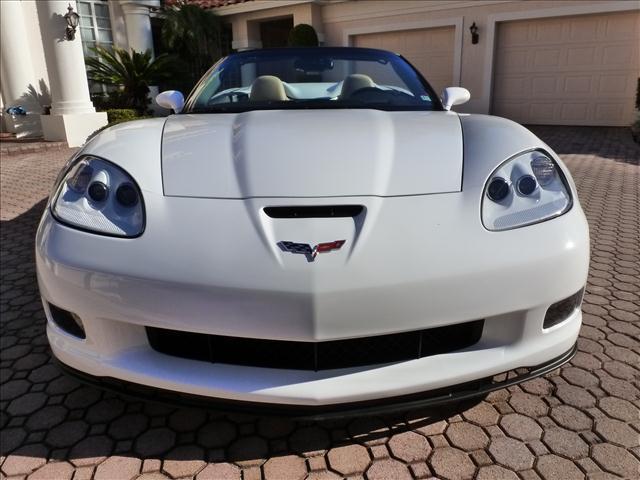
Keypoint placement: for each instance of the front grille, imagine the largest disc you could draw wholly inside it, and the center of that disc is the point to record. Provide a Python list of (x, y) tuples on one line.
[(315, 355)]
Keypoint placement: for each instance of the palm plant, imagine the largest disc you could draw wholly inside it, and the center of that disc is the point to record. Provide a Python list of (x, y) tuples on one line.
[(195, 35), (132, 72)]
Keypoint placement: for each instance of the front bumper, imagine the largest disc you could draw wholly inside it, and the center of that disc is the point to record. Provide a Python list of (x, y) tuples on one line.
[(402, 269), (467, 391)]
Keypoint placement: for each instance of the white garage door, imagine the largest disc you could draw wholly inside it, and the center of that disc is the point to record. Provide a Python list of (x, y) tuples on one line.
[(580, 70), (430, 50)]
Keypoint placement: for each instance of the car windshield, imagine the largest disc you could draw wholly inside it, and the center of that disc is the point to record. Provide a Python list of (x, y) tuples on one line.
[(298, 78)]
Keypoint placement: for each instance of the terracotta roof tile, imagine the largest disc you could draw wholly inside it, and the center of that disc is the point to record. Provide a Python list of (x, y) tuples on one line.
[(209, 3)]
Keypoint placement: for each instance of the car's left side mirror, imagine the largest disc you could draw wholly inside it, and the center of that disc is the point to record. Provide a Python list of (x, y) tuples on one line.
[(171, 99), (454, 96)]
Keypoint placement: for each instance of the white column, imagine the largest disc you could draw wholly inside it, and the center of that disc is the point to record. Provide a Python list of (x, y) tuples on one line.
[(65, 61), (246, 34), (136, 18), (139, 36), (73, 116), (16, 71)]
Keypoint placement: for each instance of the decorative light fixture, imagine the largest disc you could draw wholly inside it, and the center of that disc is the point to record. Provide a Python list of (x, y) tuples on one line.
[(474, 33), (72, 19)]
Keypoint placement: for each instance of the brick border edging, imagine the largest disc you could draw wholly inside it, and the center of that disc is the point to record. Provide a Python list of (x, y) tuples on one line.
[(41, 147)]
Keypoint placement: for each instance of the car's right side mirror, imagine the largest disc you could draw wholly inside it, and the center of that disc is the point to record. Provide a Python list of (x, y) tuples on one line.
[(171, 99), (454, 96)]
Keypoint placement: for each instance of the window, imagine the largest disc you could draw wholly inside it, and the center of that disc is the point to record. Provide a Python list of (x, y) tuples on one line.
[(95, 25), (95, 29)]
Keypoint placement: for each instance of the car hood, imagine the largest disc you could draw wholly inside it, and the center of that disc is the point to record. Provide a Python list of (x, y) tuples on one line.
[(311, 153)]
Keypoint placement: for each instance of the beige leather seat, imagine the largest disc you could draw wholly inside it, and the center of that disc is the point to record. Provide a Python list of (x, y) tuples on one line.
[(267, 88), (355, 82)]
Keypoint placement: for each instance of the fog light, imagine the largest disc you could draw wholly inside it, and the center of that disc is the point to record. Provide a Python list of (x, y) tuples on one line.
[(560, 311), (67, 321)]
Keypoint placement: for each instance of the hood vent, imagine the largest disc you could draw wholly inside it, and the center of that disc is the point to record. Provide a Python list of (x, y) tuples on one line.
[(315, 211)]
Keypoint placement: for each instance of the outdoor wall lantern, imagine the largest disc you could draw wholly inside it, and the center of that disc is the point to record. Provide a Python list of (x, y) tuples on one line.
[(72, 19), (474, 33)]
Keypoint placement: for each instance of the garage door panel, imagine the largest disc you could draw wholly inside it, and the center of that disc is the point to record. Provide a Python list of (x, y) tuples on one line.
[(514, 61), (587, 66), (547, 58), (619, 55), (549, 33), (515, 34), (442, 39), (574, 112), (579, 84), (625, 28), (609, 110), (582, 57), (583, 29), (512, 88), (416, 39), (430, 50), (542, 86), (616, 85), (542, 111)]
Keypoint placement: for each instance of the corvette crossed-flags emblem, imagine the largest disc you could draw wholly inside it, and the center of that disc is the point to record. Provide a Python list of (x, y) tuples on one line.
[(309, 251)]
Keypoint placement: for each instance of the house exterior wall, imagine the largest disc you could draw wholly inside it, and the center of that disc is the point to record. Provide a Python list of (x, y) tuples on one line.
[(246, 33), (341, 22), (37, 58), (336, 22)]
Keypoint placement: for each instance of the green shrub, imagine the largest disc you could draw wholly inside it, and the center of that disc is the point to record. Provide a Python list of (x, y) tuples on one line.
[(303, 35), (106, 101), (130, 72), (120, 114), (194, 35), (635, 129)]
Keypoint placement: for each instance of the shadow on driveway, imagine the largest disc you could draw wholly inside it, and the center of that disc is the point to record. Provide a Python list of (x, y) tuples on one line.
[(50, 416)]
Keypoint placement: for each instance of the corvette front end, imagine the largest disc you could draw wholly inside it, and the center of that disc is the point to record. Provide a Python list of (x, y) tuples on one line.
[(440, 268), (268, 276)]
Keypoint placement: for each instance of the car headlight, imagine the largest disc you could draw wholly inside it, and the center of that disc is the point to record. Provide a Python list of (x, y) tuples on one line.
[(100, 197), (527, 189)]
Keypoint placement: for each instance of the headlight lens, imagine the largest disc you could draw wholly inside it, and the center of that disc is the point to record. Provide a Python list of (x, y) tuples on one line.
[(98, 196), (530, 188)]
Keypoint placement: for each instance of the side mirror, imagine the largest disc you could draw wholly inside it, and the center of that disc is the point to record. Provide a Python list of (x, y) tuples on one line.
[(171, 99), (454, 96)]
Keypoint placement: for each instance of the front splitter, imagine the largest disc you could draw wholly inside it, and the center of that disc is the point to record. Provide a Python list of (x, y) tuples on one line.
[(390, 405)]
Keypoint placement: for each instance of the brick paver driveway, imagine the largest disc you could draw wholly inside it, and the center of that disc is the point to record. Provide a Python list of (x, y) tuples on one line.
[(581, 421)]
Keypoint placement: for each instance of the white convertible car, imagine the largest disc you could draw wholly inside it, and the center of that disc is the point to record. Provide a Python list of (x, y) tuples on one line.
[(313, 232)]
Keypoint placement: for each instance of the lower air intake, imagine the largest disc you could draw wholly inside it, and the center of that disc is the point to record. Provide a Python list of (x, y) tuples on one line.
[(333, 354)]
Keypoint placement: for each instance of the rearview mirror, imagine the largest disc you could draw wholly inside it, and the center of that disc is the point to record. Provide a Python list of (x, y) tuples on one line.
[(171, 99), (313, 65), (454, 96)]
